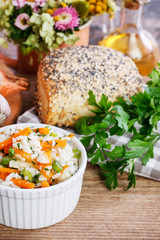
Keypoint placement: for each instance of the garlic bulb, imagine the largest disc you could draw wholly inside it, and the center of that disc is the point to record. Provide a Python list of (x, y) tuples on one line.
[(4, 109)]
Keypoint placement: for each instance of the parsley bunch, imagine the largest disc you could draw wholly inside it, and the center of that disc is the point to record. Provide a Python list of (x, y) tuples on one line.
[(116, 118)]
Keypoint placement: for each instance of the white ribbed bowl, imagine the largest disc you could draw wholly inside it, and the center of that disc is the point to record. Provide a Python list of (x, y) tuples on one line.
[(37, 208)]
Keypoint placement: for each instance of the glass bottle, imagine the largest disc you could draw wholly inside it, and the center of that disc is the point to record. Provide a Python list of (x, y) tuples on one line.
[(128, 36)]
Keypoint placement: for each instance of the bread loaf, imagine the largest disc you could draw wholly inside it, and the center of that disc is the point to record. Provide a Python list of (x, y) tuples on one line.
[(66, 75)]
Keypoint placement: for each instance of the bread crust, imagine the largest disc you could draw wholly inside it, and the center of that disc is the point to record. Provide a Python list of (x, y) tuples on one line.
[(65, 77)]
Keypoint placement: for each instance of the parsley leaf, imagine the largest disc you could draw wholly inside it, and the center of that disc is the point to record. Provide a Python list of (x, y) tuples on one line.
[(116, 118)]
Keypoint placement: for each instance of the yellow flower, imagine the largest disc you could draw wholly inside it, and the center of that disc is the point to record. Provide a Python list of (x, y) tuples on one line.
[(98, 9), (63, 4), (50, 11), (101, 6), (56, 18)]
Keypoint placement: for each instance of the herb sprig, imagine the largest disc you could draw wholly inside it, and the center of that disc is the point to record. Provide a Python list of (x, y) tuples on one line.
[(116, 118)]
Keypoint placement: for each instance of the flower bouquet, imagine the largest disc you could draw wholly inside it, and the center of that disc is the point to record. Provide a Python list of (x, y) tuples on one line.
[(43, 25)]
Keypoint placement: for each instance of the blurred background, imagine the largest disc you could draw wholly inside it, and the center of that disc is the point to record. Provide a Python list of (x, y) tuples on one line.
[(134, 30)]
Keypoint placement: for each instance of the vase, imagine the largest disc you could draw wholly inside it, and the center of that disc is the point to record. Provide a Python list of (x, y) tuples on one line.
[(83, 34), (28, 64), (126, 34)]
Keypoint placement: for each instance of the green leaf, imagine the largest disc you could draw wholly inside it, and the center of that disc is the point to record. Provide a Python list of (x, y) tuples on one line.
[(149, 154), (81, 124), (86, 141), (121, 116), (92, 99), (91, 151), (137, 144), (110, 179), (117, 152), (115, 130), (104, 103), (96, 157), (131, 176), (155, 76), (109, 120), (107, 146)]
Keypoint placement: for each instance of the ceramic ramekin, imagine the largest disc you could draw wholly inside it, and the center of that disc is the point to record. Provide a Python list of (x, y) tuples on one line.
[(38, 208)]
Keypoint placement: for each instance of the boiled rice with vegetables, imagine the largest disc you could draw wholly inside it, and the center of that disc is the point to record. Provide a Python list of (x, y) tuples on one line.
[(36, 157)]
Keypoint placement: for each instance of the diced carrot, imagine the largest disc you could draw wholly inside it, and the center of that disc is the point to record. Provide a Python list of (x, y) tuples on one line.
[(71, 135), (66, 166), (47, 144), (42, 130), (60, 143), (45, 184), (36, 165), (6, 149), (3, 175), (23, 183), (8, 142), (8, 170), (49, 181), (25, 155)]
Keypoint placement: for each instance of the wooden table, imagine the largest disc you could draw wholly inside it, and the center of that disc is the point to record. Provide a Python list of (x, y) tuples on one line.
[(100, 213), (104, 214)]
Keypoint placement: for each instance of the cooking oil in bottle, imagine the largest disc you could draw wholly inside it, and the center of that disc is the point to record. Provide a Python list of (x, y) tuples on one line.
[(131, 39)]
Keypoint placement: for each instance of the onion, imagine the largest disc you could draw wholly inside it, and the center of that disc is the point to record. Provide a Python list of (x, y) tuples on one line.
[(4, 110)]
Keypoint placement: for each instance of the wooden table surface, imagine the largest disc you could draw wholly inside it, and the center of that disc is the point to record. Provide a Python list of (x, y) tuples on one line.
[(104, 214), (100, 213)]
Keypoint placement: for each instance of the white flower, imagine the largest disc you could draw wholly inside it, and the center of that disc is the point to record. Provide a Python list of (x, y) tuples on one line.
[(36, 19), (5, 3)]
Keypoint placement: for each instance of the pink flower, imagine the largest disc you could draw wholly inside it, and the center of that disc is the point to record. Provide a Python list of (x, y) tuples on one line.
[(34, 4), (67, 18), (40, 3), (22, 21), (18, 3)]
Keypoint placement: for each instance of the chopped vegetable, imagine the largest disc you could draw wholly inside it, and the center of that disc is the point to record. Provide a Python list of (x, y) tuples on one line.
[(66, 166), (47, 144), (35, 179), (6, 160), (77, 153), (8, 142), (38, 157), (60, 143), (3, 175), (45, 184), (28, 158), (6, 150), (8, 170), (23, 183), (57, 167), (71, 135), (28, 174), (53, 134), (11, 152), (42, 131)]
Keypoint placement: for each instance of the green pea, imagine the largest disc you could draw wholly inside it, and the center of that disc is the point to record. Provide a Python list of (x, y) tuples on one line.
[(6, 160), (11, 152)]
